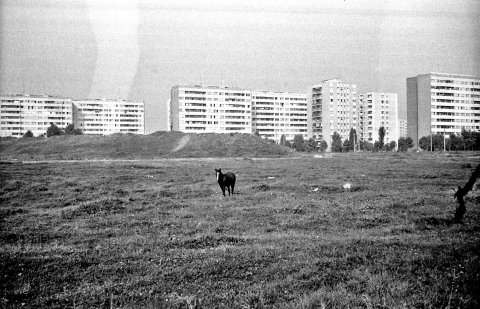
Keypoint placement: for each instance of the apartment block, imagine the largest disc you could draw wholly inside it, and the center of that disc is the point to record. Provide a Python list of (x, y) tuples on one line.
[(279, 113), (378, 109), (20, 113), (442, 103), (210, 109), (104, 117), (333, 108)]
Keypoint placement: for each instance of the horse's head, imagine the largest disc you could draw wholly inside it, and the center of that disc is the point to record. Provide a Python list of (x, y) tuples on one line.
[(218, 173)]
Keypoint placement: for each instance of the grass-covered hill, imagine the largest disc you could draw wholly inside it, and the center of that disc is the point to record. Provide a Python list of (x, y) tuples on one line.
[(131, 146)]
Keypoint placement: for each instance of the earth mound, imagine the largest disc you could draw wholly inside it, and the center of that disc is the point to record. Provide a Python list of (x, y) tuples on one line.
[(160, 144)]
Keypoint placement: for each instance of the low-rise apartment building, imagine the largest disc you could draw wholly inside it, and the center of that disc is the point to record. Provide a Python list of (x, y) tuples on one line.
[(104, 117), (20, 113), (210, 109), (279, 113)]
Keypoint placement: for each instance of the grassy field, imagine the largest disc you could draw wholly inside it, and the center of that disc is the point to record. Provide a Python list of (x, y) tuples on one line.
[(159, 234)]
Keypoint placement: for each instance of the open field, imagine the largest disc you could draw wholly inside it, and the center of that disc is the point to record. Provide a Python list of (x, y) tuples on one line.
[(158, 234)]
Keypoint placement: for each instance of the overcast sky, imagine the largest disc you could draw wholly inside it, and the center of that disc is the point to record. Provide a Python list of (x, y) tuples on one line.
[(138, 50)]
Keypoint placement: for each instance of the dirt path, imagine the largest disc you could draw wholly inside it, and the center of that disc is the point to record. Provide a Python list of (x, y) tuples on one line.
[(182, 143)]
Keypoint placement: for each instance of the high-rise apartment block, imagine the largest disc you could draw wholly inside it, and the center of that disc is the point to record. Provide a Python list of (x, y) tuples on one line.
[(333, 108), (104, 117), (20, 113), (279, 113), (442, 103), (376, 110), (210, 109)]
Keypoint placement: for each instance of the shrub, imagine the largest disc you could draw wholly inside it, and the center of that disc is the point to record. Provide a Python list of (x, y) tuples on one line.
[(28, 134), (53, 130)]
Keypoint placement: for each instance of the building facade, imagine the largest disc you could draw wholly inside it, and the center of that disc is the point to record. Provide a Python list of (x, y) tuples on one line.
[(442, 103), (378, 109), (104, 117), (210, 109), (279, 113), (403, 128), (333, 108), (20, 113)]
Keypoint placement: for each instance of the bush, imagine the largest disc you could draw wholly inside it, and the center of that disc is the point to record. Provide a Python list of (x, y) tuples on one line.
[(69, 129), (311, 144), (28, 134), (322, 146), (53, 130), (391, 146), (405, 143), (77, 132), (298, 143)]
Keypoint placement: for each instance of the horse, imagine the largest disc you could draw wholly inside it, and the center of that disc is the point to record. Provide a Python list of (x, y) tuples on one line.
[(225, 180)]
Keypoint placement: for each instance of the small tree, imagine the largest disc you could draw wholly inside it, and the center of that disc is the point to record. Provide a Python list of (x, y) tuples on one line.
[(282, 140), (455, 142), (391, 146), (468, 139), (381, 137), (347, 146), (310, 145), (53, 130), (322, 146), (28, 134), (424, 143), (298, 142), (405, 143), (476, 139), (69, 129), (352, 138), (336, 142)]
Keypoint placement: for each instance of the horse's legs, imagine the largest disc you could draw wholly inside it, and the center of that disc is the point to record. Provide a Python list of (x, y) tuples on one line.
[(223, 190), (233, 186), (228, 188)]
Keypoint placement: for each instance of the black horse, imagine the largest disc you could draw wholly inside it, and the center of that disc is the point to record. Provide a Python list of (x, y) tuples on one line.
[(225, 180)]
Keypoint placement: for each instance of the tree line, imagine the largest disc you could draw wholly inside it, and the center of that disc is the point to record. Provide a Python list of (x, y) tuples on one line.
[(53, 130), (466, 140), (350, 144)]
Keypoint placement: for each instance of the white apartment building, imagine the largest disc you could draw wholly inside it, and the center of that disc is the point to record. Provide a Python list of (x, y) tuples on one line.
[(210, 109), (20, 113), (104, 117), (332, 105), (442, 103), (378, 109), (279, 113)]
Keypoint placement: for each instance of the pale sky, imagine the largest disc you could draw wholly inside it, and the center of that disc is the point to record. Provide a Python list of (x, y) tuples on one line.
[(138, 50)]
